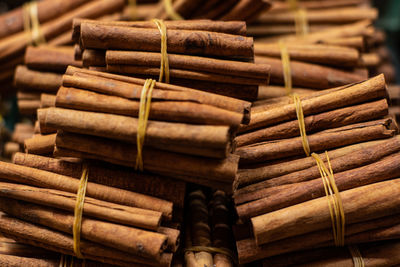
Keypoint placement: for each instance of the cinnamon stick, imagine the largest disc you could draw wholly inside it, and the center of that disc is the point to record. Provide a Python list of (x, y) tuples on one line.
[(202, 42), (47, 100), (26, 79), (176, 111), (314, 53), (48, 58), (40, 144)]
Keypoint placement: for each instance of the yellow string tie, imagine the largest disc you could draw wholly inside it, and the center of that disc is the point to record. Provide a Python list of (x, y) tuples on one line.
[(357, 257), (144, 111), (80, 200), (302, 124), (171, 11), (293, 5), (287, 72), (301, 22), (31, 23), (164, 69), (334, 199), (132, 9)]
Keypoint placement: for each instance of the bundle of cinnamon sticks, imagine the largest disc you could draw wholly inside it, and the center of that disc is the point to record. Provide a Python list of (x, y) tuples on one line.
[(119, 227), (191, 128), (51, 22), (213, 56), (208, 236), (275, 183)]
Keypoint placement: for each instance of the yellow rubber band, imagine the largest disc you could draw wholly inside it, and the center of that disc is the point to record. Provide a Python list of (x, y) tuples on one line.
[(164, 69), (301, 22), (171, 11), (132, 9), (144, 111), (302, 125), (334, 199), (31, 22), (357, 257), (287, 72), (80, 200)]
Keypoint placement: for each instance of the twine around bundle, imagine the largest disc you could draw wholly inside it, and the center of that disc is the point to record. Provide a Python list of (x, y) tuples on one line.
[(334, 199), (357, 257), (31, 23), (144, 111), (300, 18), (171, 11), (132, 5), (80, 200), (164, 68)]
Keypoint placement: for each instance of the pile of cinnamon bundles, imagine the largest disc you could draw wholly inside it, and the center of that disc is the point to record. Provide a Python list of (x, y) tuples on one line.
[(50, 22), (281, 192), (213, 56), (119, 226), (208, 224)]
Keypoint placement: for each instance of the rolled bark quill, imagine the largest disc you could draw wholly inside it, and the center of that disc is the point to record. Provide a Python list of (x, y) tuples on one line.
[(217, 173), (177, 111), (313, 53), (324, 140), (26, 79), (188, 67), (118, 85), (110, 175), (10, 260), (327, 16), (203, 140), (48, 58), (47, 100), (364, 232), (142, 218), (325, 100), (374, 205), (228, 27), (309, 75), (41, 178), (40, 144), (218, 44), (277, 197), (54, 240)]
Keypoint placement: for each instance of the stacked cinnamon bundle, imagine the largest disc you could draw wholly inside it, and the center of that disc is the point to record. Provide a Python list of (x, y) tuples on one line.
[(394, 93), (338, 51), (118, 226), (41, 76), (282, 193), (245, 10), (207, 55), (208, 237), (47, 21)]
